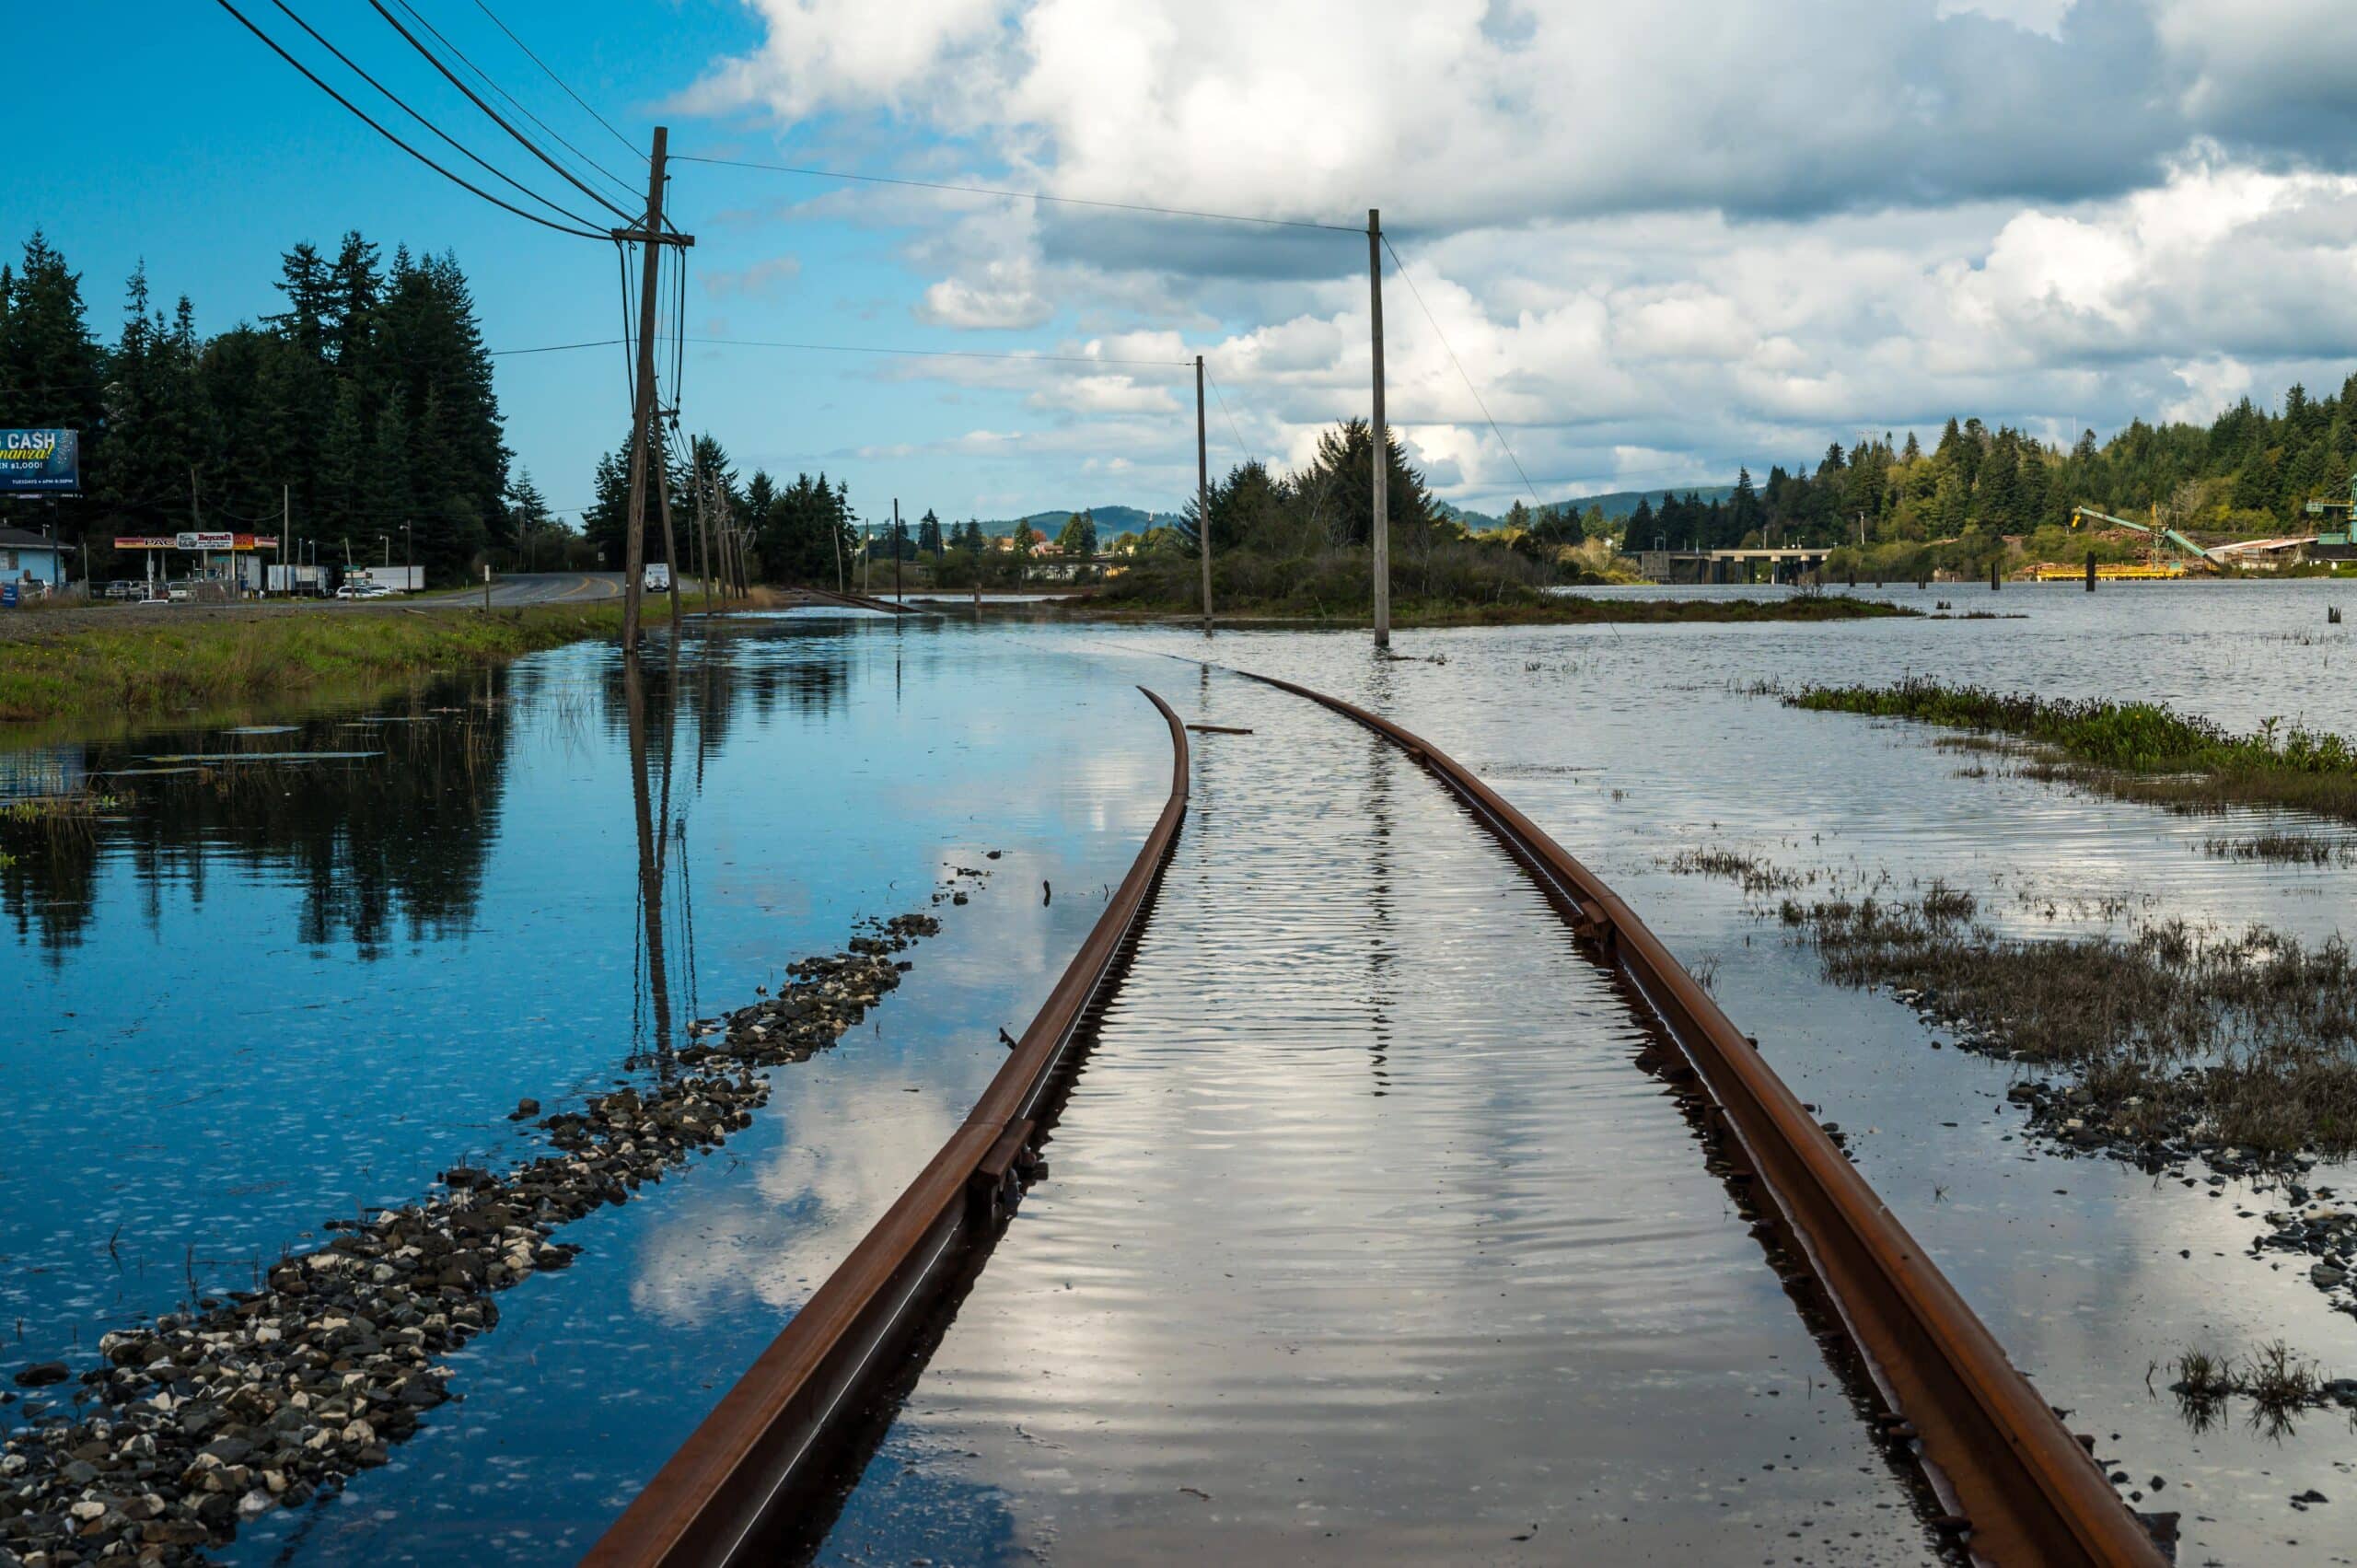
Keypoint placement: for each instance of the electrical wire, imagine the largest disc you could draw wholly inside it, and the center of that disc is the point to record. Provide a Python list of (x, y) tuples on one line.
[(1470, 386), (476, 98), (678, 321), (444, 40), (550, 348), (1245, 451), (623, 249), (552, 76), (1018, 195), (363, 116), (943, 353), (395, 101), (864, 348)]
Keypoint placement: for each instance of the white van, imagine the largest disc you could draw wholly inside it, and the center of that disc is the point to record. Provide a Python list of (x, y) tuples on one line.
[(656, 577)]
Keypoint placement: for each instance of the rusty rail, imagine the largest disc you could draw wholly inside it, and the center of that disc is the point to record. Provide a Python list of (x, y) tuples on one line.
[(2018, 1487), (763, 1450), (860, 601)]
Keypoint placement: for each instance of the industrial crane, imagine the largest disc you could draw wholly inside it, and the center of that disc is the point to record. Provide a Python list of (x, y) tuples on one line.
[(2153, 530), (2331, 543)]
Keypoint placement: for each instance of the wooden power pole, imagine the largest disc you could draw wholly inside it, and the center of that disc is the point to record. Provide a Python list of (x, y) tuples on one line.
[(670, 538), (1202, 496), (643, 433), (1380, 457), (704, 529), (896, 550)]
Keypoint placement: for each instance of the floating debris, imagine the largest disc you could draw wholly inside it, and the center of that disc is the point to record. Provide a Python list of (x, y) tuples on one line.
[(210, 757)]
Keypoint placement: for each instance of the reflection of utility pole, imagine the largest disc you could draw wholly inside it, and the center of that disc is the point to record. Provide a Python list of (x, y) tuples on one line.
[(1380, 454), (1202, 496), (650, 873)]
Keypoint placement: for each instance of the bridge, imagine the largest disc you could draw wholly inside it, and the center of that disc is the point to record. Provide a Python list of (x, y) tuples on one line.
[(1784, 562)]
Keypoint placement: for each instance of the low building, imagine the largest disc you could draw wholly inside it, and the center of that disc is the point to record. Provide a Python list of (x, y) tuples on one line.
[(27, 557)]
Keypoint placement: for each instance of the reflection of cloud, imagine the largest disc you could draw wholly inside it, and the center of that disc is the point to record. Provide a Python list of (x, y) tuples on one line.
[(851, 1145)]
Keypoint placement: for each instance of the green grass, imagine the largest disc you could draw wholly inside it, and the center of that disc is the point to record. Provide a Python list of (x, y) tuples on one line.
[(1549, 610), (157, 667), (2136, 750), (2173, 1035)]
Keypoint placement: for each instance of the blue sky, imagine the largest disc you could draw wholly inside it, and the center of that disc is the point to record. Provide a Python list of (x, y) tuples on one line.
[(209, 157), (1661, 241)]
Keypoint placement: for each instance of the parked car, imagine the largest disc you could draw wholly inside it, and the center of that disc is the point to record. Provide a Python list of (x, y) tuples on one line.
[(126, 587), (361, 587)]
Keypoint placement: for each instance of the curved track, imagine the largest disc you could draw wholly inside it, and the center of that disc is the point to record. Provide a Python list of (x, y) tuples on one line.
[(2018, 1487), (772, 1440)]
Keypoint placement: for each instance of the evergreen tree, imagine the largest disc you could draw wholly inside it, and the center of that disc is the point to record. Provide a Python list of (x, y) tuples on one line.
[(929, 541), (528, 510)]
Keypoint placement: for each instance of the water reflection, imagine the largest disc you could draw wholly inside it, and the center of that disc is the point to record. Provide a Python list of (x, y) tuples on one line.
[(383, 820), (1497, 1311)]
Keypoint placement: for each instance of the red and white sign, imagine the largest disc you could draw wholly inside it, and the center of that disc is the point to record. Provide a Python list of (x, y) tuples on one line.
[(197, 541)]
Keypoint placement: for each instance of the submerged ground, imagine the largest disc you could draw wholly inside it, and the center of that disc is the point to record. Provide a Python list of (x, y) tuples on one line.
[(263, 992)]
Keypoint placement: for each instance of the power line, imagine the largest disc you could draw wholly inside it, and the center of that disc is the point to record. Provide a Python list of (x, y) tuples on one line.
[(1470, 386), (362, 115), (554, 348), (866, 348), (944, 352), (1018, 195), (518, 105), (421, 119), (473, 97), (1232, 430), (552, 76)]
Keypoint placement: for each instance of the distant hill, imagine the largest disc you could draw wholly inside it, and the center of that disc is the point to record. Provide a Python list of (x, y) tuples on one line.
[(1114, 521), (1617, 504), (1111, 521)]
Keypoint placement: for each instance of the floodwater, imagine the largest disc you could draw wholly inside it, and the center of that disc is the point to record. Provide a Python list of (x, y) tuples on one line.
[(1367, 1241), (1482, 1285), (262, 995)]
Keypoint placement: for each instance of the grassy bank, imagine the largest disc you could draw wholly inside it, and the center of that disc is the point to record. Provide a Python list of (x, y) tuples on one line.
[(2135, 750), (149, 665), (2172, 1041), (1537, 610)]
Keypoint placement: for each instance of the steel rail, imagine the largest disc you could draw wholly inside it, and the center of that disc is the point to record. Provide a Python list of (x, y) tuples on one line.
[(860, 601), (764, 1449), (2018, 1487)]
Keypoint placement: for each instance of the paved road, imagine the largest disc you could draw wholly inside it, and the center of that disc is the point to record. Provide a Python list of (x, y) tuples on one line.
[(555, 587)]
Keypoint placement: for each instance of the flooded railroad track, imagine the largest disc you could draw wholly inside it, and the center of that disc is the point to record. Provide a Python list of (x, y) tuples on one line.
[(1611, 1323)]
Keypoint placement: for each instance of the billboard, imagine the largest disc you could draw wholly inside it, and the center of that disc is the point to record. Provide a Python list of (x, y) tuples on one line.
[(41, 462), (196, 541)]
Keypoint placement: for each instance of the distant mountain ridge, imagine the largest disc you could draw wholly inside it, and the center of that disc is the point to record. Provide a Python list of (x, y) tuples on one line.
[(1111, 521), (1616, 503), (1114, 521)]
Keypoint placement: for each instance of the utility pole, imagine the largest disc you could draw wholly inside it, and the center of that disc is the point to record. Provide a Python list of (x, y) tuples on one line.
[(1202, 495), (896, 550), (670, 545), (285, 536), (642, 443), (703, 532), (1380, 457)]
